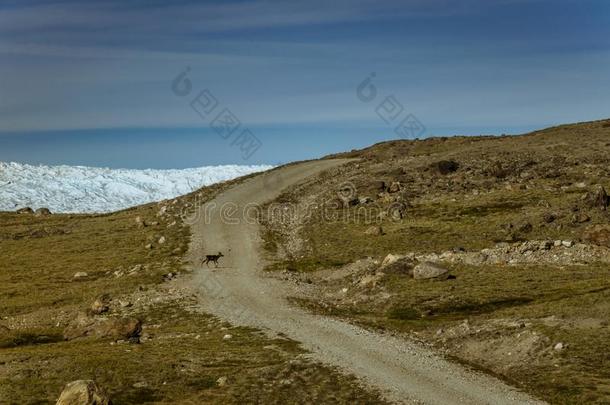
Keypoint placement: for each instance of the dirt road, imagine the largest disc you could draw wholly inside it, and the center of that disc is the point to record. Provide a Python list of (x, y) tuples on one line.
[(240, 293)]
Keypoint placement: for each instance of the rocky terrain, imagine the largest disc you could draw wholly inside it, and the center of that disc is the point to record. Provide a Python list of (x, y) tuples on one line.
[(493, 250), (94, 311)]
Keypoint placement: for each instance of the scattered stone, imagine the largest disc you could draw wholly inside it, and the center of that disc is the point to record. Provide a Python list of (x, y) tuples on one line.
[(169, 276), (42, 212), (365, 200), (140, 222), (395, 187), (428, 270), (25, 210), (227, 337), (375, 231), (546, 245), (567, 243), (149, 246), (557, 243), (83, 392), (389, 259), (125, 304), (101, 305), (559, 347), (80, 275), (222, 381)]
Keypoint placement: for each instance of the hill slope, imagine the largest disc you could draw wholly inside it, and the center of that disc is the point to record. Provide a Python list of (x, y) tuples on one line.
[(522, 224)]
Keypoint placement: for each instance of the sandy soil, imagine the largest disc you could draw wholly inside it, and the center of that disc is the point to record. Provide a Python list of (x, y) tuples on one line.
[(240, 292)]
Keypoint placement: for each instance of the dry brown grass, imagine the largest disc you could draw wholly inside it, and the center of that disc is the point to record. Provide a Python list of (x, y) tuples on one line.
[(471, 209), (184, 354)]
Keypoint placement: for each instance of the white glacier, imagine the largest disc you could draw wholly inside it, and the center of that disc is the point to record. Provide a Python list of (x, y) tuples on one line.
[(79, 189)]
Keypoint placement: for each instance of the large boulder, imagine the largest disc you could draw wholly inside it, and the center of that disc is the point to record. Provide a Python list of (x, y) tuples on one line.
[(83, 392), (25, 210), (598, 235), (112, 328), (428, 270)]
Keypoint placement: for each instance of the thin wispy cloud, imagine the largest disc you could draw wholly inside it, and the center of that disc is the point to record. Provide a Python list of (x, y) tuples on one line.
[(475, 64)]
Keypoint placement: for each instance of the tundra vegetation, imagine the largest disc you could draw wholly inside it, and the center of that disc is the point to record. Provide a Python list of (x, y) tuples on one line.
[(521, 223)]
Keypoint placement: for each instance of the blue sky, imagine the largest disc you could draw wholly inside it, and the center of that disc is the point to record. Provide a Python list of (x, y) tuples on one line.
[(91, 82)]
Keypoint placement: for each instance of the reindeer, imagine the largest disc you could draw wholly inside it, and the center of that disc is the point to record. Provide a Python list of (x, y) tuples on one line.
[(212, 259)]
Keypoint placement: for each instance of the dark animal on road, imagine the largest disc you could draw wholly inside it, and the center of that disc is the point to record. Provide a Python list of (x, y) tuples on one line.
[(212, 259)]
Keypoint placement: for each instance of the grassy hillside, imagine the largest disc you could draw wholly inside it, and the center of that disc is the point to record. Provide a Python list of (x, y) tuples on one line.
[(184, 356), (490, 209)]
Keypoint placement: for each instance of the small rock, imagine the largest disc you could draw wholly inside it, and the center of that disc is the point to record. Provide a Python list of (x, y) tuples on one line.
[(557, 243), (101, 305), (25, 210), (222, 381), (365, 200), (149, 246), (80, 275), (395, 187), (42, 212), (161, 240), (83, 392), (389, 259), (559, 347), (375, 231), (125, 304), (567, 243), (428, 270), (546, 245), (227, 337)]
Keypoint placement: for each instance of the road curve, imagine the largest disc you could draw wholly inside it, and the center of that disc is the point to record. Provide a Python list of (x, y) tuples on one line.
[(239, 293)]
